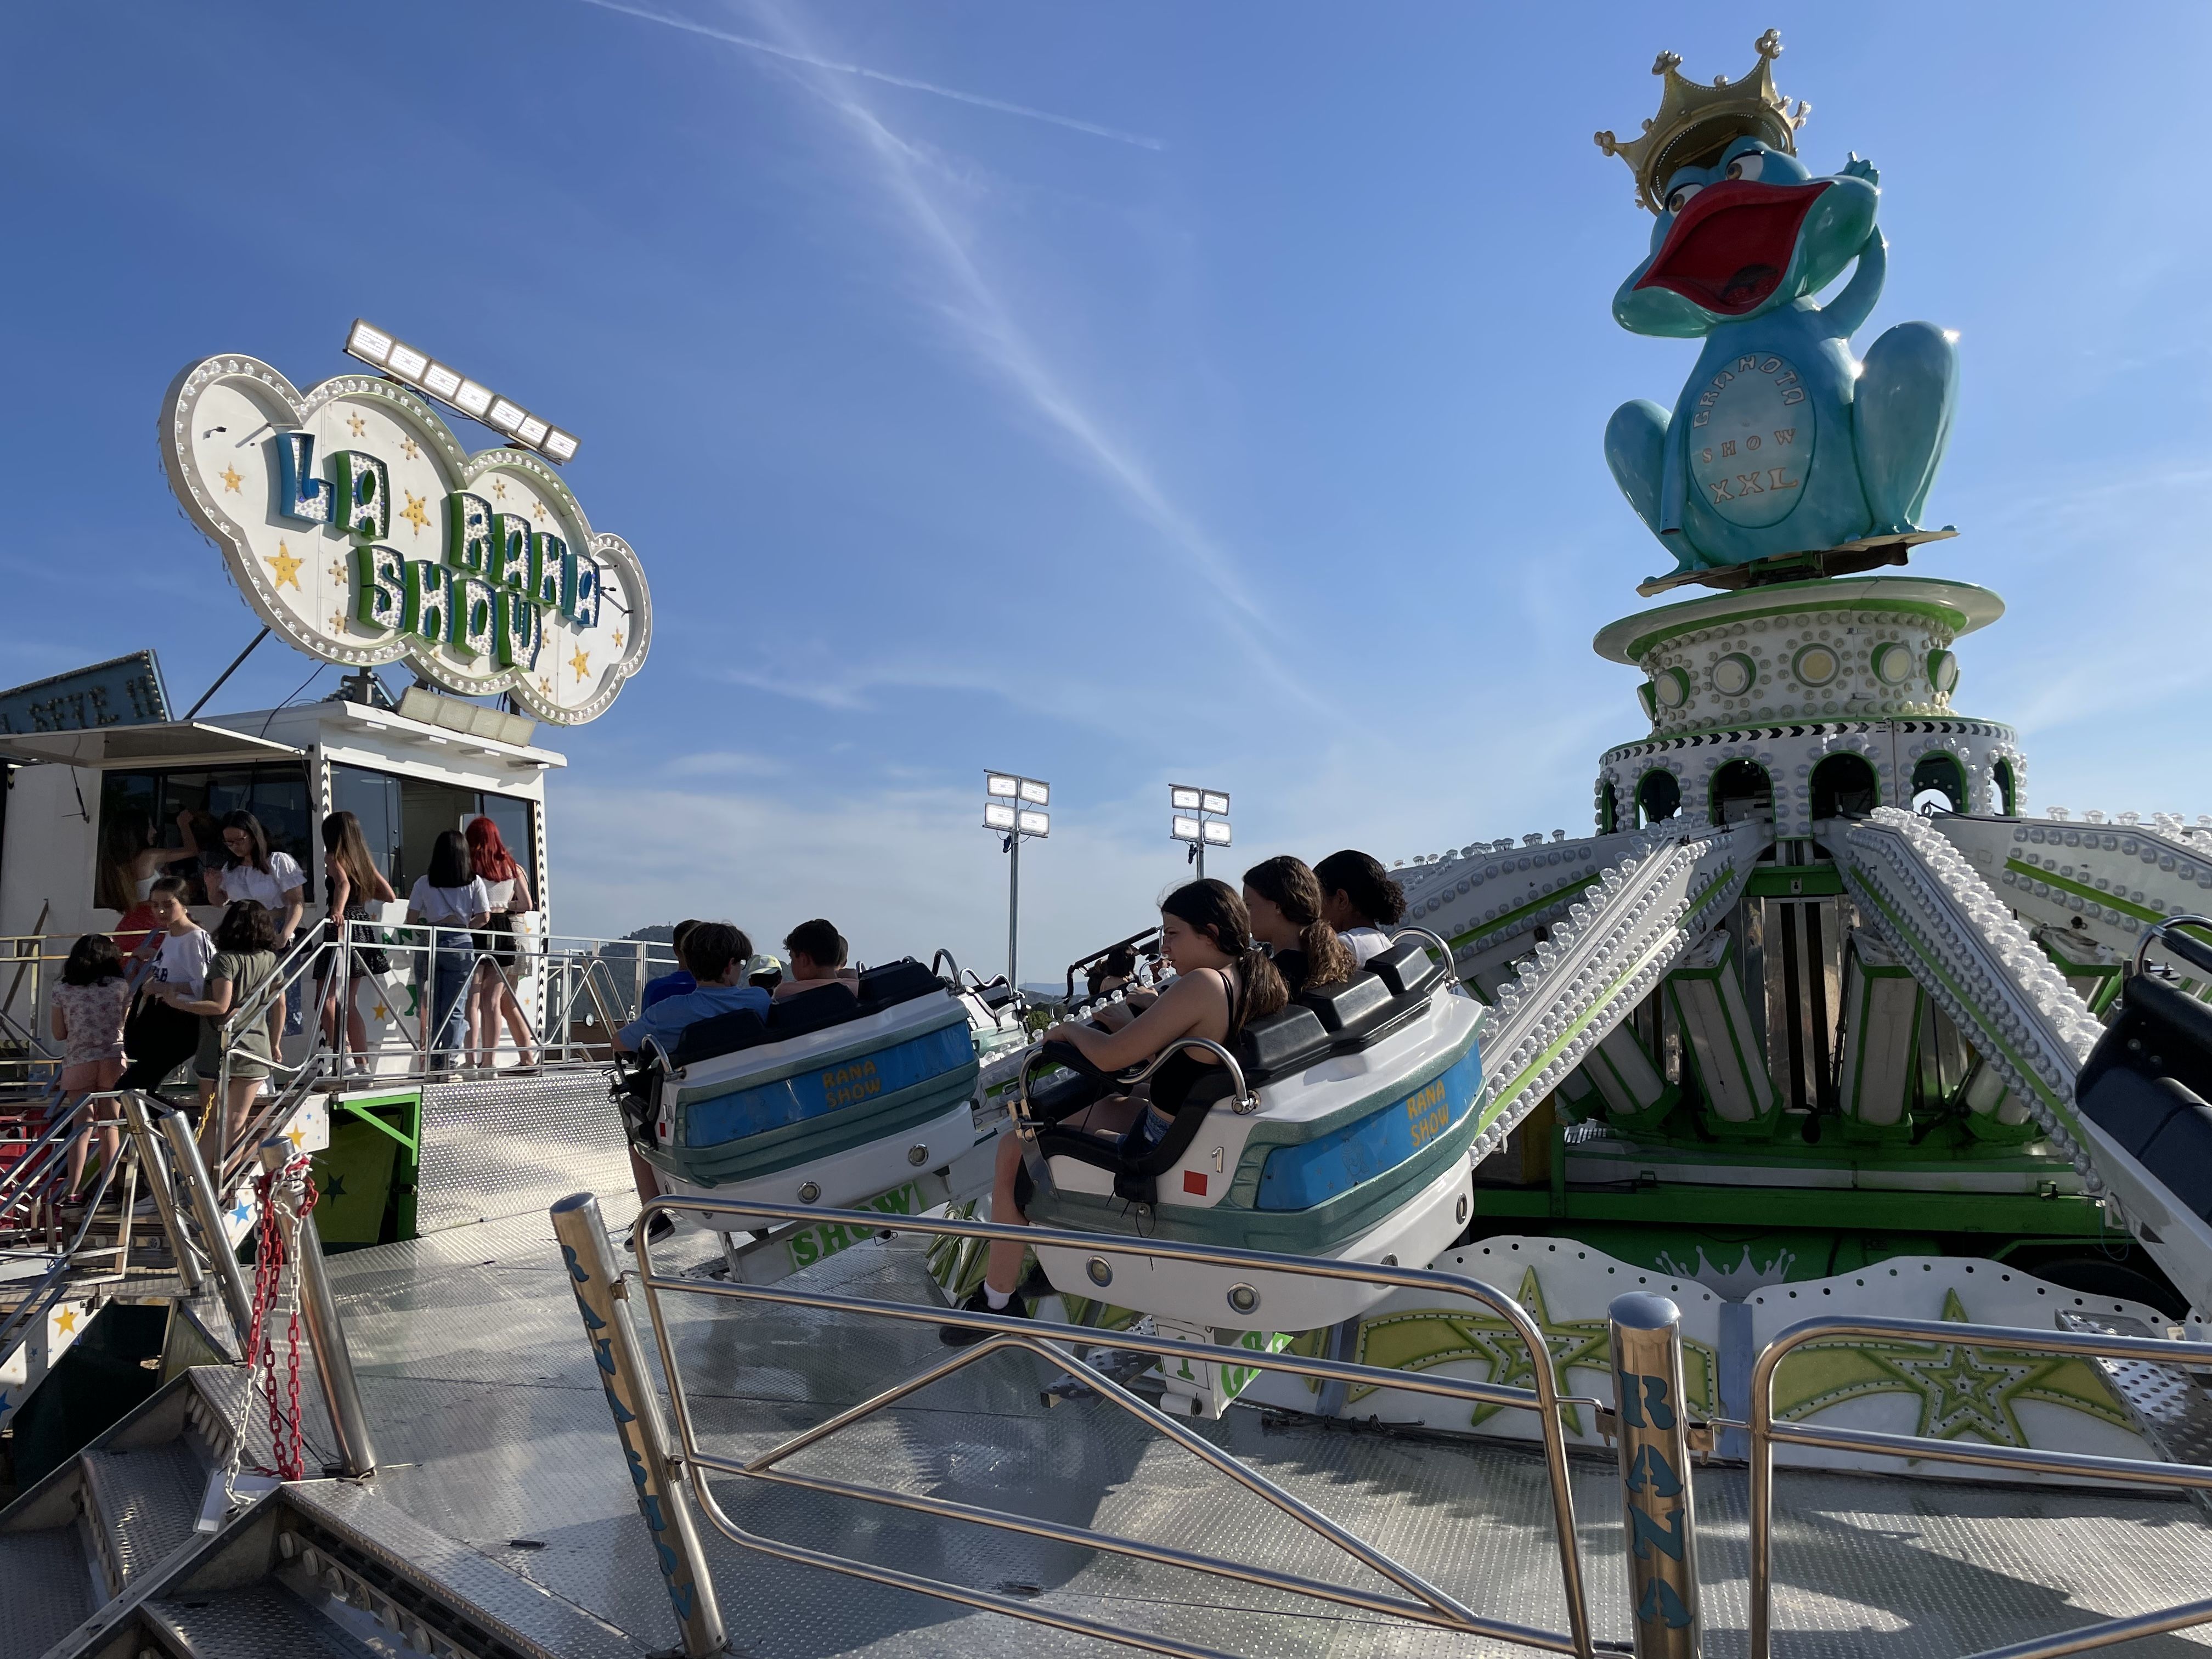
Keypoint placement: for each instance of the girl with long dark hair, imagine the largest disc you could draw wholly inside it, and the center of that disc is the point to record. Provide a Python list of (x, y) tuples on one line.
[(451, 899), (352, 889), (1285, 898), (1359, 901), (491, 994), (1222, 982), (87, 1012), (269, 876)]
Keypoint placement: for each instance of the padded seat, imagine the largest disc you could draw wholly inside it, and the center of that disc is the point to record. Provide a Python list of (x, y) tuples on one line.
[(2132, 1108), (1340, 1007), (1408, 968), (812, 1010), (894, 983), (723, 1034), (1279, 1042), (2145, 1084), (2180, 1151)]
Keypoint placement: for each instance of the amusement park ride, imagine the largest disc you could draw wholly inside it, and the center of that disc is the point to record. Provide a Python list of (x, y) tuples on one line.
[(1819, 1023)]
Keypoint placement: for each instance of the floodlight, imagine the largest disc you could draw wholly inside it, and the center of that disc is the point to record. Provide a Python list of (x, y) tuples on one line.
[(1214, 803), (1217, 833), (1040, 793), (1034, 824), (996, 817), (1183, 800), (369, 344), (410, 366), (1183, 828), (994, 784)]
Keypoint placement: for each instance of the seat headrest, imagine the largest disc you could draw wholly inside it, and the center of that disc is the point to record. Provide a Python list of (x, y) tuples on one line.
[(1407, 967), (812, 1010), (721, 1034), (1347, 1002), (1275, 1041), (894, 983)]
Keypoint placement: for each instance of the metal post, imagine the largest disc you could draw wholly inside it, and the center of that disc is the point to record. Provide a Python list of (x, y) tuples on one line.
[(326, 1335), (164, 1193), (207, 1212), (1655, 1475), (1013, 904), (603, 1299)]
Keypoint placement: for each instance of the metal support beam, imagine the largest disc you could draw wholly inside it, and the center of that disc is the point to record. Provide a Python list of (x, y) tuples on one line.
[(1654, 1475), (603, 1299), (207, 1213)]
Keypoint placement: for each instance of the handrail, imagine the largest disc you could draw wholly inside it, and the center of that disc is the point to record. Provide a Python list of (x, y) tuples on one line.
[(1055, 1343), (2168, 932), (1765, 1433)]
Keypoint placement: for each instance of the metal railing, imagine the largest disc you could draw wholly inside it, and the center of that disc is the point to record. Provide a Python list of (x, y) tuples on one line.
[(1767, 1434), (663, 1473)]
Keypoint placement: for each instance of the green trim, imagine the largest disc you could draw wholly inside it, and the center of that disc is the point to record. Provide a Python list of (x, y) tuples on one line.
[(2108, 901), (2018, 1217), (365, 1109), (1821, 880), (1833, 599), (1557, 896)]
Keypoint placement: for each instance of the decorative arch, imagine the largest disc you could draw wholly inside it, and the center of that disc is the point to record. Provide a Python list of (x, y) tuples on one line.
[(1658, 797), (1740, 789), (1939, 769), (1609, 806), (1845, 787), (2008, 784)]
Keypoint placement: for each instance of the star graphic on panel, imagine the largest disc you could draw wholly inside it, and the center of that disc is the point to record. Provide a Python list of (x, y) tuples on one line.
[(337, 570), (381, 1012), (408, 448), (230, 479), (358, 425), (65, 1322), (285, 566), (1961, 1390), (7, 1400), (545, 686), (499, 487), (618, 638), (580, 663), (338, 621), (240, 1211), (415, 512), (537, 511), (336, 1188)]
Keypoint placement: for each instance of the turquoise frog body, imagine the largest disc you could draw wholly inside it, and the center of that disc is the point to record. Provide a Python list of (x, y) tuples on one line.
[(1782, 441)]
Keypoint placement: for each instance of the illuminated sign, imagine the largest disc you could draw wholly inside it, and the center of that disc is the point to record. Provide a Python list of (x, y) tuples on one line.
[(360, 529)]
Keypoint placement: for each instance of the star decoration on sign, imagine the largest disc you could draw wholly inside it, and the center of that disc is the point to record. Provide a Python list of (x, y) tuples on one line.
[(297, 1137), (337, 570), (338, 621), (618, 638), (358, 425), (537, 511), (381, 1012), (580, 663), (545, 686), (285, 568), (499, 487), (407, 447), (1962, 1389), (230, 479), (415, 512), (65, 1322)]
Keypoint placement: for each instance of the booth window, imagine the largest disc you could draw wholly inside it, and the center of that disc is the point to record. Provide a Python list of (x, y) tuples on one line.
[(139, 809), (400, 818)]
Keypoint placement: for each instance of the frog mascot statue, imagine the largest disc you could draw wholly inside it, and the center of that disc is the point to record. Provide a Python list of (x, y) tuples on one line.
[(1782, 443)]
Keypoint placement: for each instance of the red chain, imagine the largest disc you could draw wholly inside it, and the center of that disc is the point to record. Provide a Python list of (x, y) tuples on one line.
[(287, 1434)]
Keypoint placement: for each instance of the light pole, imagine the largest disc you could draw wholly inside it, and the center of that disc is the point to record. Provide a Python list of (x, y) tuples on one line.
[(1199, 817), (1014, 806)]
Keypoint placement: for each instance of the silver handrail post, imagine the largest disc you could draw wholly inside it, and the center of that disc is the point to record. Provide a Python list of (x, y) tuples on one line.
[(602, 1300), (185, 1158), (164, 1193), (1655, 1475), (326, 1333)]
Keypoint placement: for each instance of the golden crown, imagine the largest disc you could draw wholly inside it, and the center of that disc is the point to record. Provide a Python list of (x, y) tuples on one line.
[(1695, 124)]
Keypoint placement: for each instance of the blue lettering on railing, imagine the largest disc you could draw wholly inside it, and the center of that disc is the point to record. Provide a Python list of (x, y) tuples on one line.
[(1644, 1397), (1651, 1470), (1661, 1602), (1646, 1531)]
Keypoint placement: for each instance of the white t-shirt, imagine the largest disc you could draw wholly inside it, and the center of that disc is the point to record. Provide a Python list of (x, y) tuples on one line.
[(1365, 942), (183, 960), (450, 906), (243, 881)]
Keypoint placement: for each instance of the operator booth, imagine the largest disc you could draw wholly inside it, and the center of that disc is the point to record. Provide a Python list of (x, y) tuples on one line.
[(362, 532)]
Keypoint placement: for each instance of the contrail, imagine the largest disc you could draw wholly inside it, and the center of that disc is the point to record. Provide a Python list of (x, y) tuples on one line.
[(1004, 108)]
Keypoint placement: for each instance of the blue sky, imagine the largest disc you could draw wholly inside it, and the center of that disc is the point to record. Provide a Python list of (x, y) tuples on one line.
[(1120, 395)]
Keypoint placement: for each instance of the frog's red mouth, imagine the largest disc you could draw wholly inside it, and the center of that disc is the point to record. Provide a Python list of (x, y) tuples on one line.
[(1729, 247)]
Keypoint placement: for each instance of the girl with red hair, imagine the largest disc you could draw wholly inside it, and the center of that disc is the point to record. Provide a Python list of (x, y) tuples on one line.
[(491, 998)]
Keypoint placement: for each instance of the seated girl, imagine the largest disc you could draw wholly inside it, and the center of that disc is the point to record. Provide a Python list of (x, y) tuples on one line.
[(1362, 900), (1221, 983), (1284, 899)]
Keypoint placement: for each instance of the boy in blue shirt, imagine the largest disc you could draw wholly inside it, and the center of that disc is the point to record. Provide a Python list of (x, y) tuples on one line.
[(717, 954), (677, 983)]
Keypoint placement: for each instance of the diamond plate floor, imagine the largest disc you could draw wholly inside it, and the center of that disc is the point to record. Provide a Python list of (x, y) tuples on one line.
[(495, 1432)]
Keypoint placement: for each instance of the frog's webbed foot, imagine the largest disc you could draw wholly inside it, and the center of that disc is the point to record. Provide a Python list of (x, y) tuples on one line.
[(1901, 408), (1636, 450)]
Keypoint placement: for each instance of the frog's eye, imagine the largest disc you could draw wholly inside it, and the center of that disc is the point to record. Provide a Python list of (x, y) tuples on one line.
[(1748, 165), (1679, 198)]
